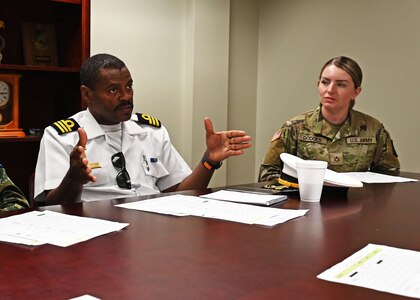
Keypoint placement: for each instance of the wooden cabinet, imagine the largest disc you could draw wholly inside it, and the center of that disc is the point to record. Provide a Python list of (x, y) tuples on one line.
[(46, 92)]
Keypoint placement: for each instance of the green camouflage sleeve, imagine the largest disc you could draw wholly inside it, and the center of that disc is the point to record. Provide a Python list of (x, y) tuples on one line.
[(386, 158), (11, 197), (284, 140)]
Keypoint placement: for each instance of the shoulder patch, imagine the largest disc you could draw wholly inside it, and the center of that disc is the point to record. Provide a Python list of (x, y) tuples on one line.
[(277, 135), (147, 119), (65, 126)]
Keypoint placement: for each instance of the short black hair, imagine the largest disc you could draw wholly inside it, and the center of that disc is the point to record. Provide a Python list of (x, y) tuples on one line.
[(89, 71)]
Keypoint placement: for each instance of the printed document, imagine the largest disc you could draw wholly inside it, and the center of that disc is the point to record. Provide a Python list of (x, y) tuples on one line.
[(382, 268), (182, 205), (49, 227), (371, 177)]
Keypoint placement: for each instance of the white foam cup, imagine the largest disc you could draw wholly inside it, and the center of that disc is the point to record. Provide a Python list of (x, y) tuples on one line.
[(311, 179)]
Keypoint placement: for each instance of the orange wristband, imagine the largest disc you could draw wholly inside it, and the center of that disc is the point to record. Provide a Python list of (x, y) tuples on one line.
[(209, 165)]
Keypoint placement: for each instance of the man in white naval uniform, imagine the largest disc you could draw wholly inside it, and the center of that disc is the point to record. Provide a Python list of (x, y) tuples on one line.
[(108, 152)]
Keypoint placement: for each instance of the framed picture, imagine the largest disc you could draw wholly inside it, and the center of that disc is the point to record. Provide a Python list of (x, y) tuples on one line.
[(39, 44)]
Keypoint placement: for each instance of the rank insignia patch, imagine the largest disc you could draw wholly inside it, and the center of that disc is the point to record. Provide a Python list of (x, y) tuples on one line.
[(65, 126), (336, 159), (148, 120)]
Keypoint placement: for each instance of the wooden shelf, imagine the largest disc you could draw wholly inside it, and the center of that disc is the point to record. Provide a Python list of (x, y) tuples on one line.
[(8, 67), (68, 1), (46, 93), (25, 139)]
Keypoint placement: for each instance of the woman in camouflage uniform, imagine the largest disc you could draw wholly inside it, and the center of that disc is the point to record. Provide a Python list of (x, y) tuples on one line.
[(11, 197), (350, 141)]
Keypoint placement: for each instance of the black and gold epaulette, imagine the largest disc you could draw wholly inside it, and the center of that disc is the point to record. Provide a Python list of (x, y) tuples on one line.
[(147, 119), (65, 126)]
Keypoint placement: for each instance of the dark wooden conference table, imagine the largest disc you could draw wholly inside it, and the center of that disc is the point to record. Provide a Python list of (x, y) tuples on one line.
[(166, 257)]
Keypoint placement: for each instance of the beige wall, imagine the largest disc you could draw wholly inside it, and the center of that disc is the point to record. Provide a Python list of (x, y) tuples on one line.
[(296, 37), (178, 54), (242, 105), (150, 37), (251, 64)]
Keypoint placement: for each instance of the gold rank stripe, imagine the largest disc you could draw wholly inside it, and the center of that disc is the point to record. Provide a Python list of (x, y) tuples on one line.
[(152, 120), (61, 126), (146, 119), (288, 183), (65, 126)]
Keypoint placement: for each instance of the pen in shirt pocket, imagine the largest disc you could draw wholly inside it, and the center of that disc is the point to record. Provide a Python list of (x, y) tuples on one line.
[(145, 162)]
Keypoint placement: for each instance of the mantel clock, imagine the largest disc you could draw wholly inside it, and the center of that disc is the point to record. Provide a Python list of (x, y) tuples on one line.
[(9, 106)]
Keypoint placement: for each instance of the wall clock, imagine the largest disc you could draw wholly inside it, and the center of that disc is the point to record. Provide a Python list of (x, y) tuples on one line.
[(9, 106)]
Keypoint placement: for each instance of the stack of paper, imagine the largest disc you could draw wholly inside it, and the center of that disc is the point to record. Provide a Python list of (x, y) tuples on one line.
[(181, 205), (371, 177), (246, 197), (48, 227)]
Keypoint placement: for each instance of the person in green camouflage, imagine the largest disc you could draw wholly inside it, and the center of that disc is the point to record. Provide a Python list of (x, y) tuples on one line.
[(350, 141), (11, 197)]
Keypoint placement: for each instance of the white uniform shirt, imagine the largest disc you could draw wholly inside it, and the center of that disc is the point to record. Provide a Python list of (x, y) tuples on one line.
[(151, 160)]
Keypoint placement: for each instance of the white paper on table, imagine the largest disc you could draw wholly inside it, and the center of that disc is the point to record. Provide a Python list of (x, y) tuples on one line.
[(85, 297), (382, 268), (11, 238), (245, 197), (286, 215), (181, 205), (371, 177), (53, 228), (169, 205)]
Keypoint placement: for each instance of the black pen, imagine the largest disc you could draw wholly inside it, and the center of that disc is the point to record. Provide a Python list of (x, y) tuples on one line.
[(146, 162)]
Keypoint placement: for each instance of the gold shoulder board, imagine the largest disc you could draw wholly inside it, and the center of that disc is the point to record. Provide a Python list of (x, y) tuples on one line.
[(148, 120), (65, 126)]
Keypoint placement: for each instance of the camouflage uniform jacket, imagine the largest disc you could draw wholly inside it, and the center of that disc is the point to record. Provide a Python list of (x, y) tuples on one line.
[(11, 197), (359, 145)]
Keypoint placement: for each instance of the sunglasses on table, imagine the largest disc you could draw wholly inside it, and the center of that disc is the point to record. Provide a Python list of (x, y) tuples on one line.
[(123, 178)]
